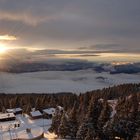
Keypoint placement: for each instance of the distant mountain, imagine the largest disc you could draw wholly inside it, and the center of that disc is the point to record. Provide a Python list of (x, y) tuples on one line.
[(22, 67), (128, 68), (39, 66)]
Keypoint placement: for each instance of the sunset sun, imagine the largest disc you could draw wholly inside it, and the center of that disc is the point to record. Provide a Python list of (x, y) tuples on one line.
[(2, 49)]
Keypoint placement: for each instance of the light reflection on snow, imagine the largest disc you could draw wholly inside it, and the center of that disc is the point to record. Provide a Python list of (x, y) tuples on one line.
[(50, 136)]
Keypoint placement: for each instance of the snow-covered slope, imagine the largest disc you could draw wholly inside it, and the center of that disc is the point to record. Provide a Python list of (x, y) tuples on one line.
[(62, 81), (38, 129)]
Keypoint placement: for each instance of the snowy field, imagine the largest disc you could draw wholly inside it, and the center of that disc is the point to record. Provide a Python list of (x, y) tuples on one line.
[(62, 81), (39, 128)]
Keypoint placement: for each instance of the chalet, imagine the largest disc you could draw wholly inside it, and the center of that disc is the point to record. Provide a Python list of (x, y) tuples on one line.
[(36, 114), (7, 117), (48, 113), (14, 110)]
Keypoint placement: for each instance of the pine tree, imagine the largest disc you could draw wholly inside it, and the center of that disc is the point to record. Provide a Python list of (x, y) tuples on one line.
[(72, 122), (63, 129), (91, 134), (56, 121), (82, 131), (3, 109), (28, 108), (133, 106), (137, 135), (90, 121), (105, 115)]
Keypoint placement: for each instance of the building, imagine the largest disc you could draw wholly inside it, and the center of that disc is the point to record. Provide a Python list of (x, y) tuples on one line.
[(36, 114), (48, 113), (14, 110), (7, 117)]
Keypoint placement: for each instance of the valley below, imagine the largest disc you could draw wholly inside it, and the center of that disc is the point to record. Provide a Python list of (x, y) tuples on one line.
[(62, 81)]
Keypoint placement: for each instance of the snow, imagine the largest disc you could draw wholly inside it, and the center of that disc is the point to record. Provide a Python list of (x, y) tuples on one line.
[(50, 135), (101, 100), (38, 127), (35, 113), (60, 108), (62, 81), (49, 110), (14, 110), (35, 132), (113, 104), (28, 128), (41, 122), (4, 126), (6, 115)]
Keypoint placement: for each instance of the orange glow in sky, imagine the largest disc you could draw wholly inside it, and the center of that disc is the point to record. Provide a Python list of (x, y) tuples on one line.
[(7, 37), (3, 49)]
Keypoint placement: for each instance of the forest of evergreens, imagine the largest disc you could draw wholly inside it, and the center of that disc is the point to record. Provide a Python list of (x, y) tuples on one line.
[(87, 116)]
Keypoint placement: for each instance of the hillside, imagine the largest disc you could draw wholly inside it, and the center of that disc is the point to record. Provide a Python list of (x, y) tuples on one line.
[(107, 114)]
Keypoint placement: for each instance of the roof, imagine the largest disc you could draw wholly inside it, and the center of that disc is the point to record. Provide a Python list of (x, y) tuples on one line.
[(7, 115), (60, 108), (35, 113), (14, 110), (49, 110)]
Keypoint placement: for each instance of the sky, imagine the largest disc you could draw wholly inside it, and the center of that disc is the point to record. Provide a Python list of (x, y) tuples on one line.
[(94, 30)]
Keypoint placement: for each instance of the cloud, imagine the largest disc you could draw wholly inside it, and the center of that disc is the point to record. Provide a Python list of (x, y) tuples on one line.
[(47, 54), (78, 52), (86, 55), (102, 46), (13, 56), (25, 17), (110, 48), (7, 37), (43, 55), (73, 24)]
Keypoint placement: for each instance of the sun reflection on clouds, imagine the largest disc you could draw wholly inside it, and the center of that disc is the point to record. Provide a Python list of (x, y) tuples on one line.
[(4, 42), (7, 38), (3, 48)]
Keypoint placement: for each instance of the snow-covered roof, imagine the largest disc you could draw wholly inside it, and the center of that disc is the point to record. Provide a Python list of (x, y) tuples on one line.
[(14, 110), (60, 108), (6, 115), (49, 110), (35, 113)]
